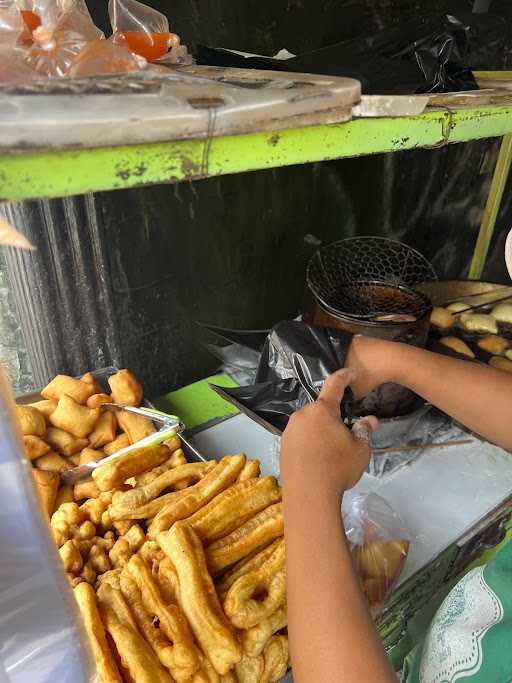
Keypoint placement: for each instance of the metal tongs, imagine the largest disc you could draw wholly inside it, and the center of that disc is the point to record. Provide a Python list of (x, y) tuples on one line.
[(171, 425)]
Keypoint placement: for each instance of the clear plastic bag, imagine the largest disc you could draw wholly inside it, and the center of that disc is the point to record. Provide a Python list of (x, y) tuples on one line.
[(11, 23), (145, 30), (379, 543), (66, 28), (105, 57)]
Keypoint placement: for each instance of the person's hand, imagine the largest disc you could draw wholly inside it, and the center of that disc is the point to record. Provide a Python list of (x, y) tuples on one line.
[(317, 449), (374, 362)]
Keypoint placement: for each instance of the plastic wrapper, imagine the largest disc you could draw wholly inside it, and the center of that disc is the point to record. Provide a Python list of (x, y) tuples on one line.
[(105, 57), (65, 29), (40, 626), (430, 53), (146, 31), (379, 543), (11, 23)]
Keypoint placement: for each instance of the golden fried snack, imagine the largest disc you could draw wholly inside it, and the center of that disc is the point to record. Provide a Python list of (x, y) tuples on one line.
[(120, 442), (457, 345), (97, 400), (112, 577), (105, 430), (275, 656), (250, 471), (34, 447), (63, 384), (494, 344), (136, 654), (442, 318), (479, 322), (254, 639), (182, 658), (501, 363), (198, 597), (136, 426), (69, 522), (243, 606), (126, 546), (112, 474), (176, 460), (52, 462), (74, 459), (90, 455), (173, 444), (168, 581), (103, 656), (502, 313), (231, 508), (31, 421), (258, 532), (89, 378), (64, 495), (71, 556), (253, 561), (85, 489), (250, 669), (74, 418), (64, 443), (147, 511), (126, 389), (46, 407), (145, 494), (219, 478), (47, 484), (380, 559)]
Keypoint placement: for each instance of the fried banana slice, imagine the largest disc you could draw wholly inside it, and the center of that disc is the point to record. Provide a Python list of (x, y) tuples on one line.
[(231, 508), (254, 639), (145, 494), (219, 478), (250, 669), (253, 561), (276, 658), (136, 654), (63, 384), (103, 656), (243, 607), (258, 532), (112, 474), (182, 658), (198, 597), (250, 471)]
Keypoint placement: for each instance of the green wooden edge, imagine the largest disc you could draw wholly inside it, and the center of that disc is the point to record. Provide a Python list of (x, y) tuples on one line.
[(38, 174)]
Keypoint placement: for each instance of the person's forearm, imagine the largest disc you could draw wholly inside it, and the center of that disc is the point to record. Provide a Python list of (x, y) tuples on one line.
[(332, 636), (478, 396)]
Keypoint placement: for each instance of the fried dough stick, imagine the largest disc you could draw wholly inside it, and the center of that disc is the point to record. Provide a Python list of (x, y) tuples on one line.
[(198, 597), (107, 668)]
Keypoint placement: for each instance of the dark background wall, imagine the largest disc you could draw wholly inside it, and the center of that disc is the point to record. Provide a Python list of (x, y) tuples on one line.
[(121, 277)]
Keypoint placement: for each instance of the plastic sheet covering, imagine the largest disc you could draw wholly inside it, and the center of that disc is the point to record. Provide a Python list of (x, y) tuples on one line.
[(40, 630), (429, 53), (105, 57), (379, 543)]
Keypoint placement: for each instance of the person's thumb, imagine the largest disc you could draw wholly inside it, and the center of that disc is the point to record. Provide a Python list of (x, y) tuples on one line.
[(363, 429)]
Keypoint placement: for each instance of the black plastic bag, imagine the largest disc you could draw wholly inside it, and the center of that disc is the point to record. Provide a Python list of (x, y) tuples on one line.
[(430, 53)]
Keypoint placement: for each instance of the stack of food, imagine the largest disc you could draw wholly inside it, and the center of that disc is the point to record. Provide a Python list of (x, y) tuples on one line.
[(178, 567), (485, 334)]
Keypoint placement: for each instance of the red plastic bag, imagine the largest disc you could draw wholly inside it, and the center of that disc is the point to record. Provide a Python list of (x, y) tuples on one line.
[(66, 27), (379, 543), (145, 29), (105, 57)]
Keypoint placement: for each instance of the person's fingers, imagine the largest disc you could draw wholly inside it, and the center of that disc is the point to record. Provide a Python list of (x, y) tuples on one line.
[(334, 387), (363, 429)]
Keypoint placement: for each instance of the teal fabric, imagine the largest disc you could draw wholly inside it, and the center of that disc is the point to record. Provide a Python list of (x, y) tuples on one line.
[(470, 638)]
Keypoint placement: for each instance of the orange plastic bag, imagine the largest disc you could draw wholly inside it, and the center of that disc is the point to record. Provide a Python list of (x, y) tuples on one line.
[(66, 28), (105, 57), (145, 29)]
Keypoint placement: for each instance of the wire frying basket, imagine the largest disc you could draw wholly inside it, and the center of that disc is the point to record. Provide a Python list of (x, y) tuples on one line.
[(370, 278)]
